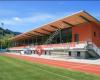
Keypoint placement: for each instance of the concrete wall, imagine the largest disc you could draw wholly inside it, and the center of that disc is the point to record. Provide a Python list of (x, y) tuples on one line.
[(82, 54)]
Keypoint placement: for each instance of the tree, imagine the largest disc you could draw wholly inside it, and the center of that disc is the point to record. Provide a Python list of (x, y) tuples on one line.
[(5, 41)]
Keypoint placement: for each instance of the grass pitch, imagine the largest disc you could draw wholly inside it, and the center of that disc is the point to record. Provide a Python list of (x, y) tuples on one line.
[(15, 69)]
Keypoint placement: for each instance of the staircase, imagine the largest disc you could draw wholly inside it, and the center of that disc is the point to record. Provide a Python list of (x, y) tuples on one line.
[(93, 50), (52, 36)]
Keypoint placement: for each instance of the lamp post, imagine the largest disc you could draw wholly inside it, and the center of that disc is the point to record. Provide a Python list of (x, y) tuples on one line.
[(2, 24)]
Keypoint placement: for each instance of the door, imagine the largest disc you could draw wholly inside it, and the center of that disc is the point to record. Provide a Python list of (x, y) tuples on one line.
[(76, 37)]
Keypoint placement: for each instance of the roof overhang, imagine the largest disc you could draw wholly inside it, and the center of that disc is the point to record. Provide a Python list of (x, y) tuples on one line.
[(66, 22)]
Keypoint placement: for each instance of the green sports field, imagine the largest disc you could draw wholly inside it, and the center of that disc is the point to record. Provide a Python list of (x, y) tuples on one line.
[(15, 69)]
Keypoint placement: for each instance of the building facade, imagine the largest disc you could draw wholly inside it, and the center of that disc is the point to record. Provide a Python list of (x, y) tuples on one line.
[(76, 36)]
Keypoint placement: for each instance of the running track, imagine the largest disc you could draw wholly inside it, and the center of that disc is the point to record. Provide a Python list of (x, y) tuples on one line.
[(64, 64)]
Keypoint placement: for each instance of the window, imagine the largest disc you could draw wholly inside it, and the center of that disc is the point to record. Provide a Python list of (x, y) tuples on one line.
[(76, 37), (69, 53), (94, 34), (78, 54), (66, 35)]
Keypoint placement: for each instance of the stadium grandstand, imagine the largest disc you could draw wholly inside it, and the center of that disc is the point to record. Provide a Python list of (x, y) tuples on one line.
[(76, 36)]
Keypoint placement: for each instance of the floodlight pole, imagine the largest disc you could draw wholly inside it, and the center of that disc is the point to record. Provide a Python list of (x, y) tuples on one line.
[(2, 24)]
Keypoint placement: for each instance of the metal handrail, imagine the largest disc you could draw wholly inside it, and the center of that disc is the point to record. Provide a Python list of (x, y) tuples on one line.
[(94, 47)]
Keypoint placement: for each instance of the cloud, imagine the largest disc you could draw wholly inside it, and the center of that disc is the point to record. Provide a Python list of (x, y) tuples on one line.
[(27, 20), (16, 19)]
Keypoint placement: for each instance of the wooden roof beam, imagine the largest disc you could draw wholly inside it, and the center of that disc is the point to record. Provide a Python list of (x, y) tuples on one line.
[(40, 33), (84, 18), (34, 34), (68, 23), (46, 30), (22, 37), (29, 35), (54, 27)]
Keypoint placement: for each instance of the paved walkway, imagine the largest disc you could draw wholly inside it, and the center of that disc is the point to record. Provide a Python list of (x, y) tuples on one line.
[(90, 68)]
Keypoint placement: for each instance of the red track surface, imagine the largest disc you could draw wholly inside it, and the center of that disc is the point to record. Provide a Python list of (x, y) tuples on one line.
[(64, 64)]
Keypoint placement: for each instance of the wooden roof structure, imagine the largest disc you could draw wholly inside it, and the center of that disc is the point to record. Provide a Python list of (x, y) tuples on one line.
[(66, 22)]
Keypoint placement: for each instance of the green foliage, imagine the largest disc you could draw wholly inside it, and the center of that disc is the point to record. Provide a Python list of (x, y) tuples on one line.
[(5, 35), (5, 40)]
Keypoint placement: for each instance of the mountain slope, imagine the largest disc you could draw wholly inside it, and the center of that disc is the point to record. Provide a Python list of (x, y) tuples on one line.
[(5, 34), (7, 31)]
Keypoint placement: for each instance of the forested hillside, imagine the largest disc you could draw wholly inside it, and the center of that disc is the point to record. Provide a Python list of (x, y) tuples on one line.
[(5, 34)]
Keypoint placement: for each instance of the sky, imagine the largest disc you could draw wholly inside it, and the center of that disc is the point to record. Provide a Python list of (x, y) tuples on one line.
[(23, 16)]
